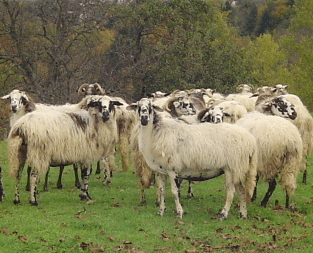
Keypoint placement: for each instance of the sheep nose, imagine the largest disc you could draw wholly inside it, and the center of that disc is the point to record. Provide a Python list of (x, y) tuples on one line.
[(14, 108), (293, 115), (144, 120), (105, 116)]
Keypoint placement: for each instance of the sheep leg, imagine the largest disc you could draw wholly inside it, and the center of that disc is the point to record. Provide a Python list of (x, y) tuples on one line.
[(230, 188), (305, 175), (59, 183), (272, 186), (33, 187), (17, 185), (287, 206), (179, 210), (45, 186), (29, 170), (243, 205), (85, 173), (190, 191), (106, 171), (178, 182), (255, 189), (143, 200), (77, 183), (161, 180), (98, 171)]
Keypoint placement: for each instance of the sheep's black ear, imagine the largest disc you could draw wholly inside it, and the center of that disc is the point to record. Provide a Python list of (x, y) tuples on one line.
[(132, 106), (150, 95), (117, 103), (254, 95)]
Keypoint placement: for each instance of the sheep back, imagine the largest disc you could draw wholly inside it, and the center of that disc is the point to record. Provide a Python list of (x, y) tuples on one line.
[(279, 147)]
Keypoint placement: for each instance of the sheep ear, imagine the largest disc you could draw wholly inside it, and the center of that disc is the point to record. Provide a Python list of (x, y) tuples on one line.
[(132, 106), (150, 95), (5, 97), (117, 103), (225, 113)]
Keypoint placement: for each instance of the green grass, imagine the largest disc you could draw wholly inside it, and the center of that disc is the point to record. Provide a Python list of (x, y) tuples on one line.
[(116, 222)]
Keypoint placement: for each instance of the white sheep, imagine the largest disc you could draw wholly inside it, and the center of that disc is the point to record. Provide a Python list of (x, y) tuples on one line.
[(197, 152), (279, 150), (21, 104), (303, 121), (43, 138)]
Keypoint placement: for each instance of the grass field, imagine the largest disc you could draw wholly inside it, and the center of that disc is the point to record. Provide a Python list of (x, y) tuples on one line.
[(115, 222)]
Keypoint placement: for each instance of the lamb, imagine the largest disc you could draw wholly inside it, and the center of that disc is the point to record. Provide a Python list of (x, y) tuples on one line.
[(279, 151), (166, 146), (21, 104), (46, 137)]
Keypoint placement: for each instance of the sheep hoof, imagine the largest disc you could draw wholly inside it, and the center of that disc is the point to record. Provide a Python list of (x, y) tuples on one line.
[(242, 216), (78, 186), (17, 202), (27, 188), (190, 196), (60, 186), (179, 215), (33, 203), (143, 203), (222, 217), (161, 212), (84, 197)]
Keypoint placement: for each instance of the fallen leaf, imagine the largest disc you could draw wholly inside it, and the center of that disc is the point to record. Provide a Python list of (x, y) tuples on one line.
[(84, 245), (5, 231), (90, 201), (22, 238), (101, 249), (116, 205), (111, 239)]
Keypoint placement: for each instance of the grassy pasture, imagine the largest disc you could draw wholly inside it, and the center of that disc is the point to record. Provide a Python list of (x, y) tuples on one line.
[(115, 222)]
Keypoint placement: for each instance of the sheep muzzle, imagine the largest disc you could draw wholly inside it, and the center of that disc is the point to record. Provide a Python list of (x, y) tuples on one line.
[(144, 120)]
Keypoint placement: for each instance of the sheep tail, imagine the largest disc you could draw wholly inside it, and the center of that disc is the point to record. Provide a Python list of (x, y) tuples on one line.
[(15, 155), (250, 182)]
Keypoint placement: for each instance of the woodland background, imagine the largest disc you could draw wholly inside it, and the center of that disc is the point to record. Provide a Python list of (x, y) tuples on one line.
[(50, 47)]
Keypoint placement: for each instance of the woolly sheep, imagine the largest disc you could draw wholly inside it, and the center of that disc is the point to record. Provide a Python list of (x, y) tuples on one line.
[(304, 123), (167, 149), (279, 150), (21, 104), (42, 138)]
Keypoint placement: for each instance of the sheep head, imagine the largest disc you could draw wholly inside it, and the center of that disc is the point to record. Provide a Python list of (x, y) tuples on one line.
[(278, 106), (102, 106), (180, 106), (91, 89), (18, 100), (214, 114), (144, 109)]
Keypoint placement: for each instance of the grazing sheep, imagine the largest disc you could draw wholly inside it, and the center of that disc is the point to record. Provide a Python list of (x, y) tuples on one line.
[(1, 186), (279, 151), (197, 153), (43, 138), (21, 104)]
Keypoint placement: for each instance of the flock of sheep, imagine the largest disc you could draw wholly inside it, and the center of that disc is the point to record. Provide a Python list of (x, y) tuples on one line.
[(192, 135)]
